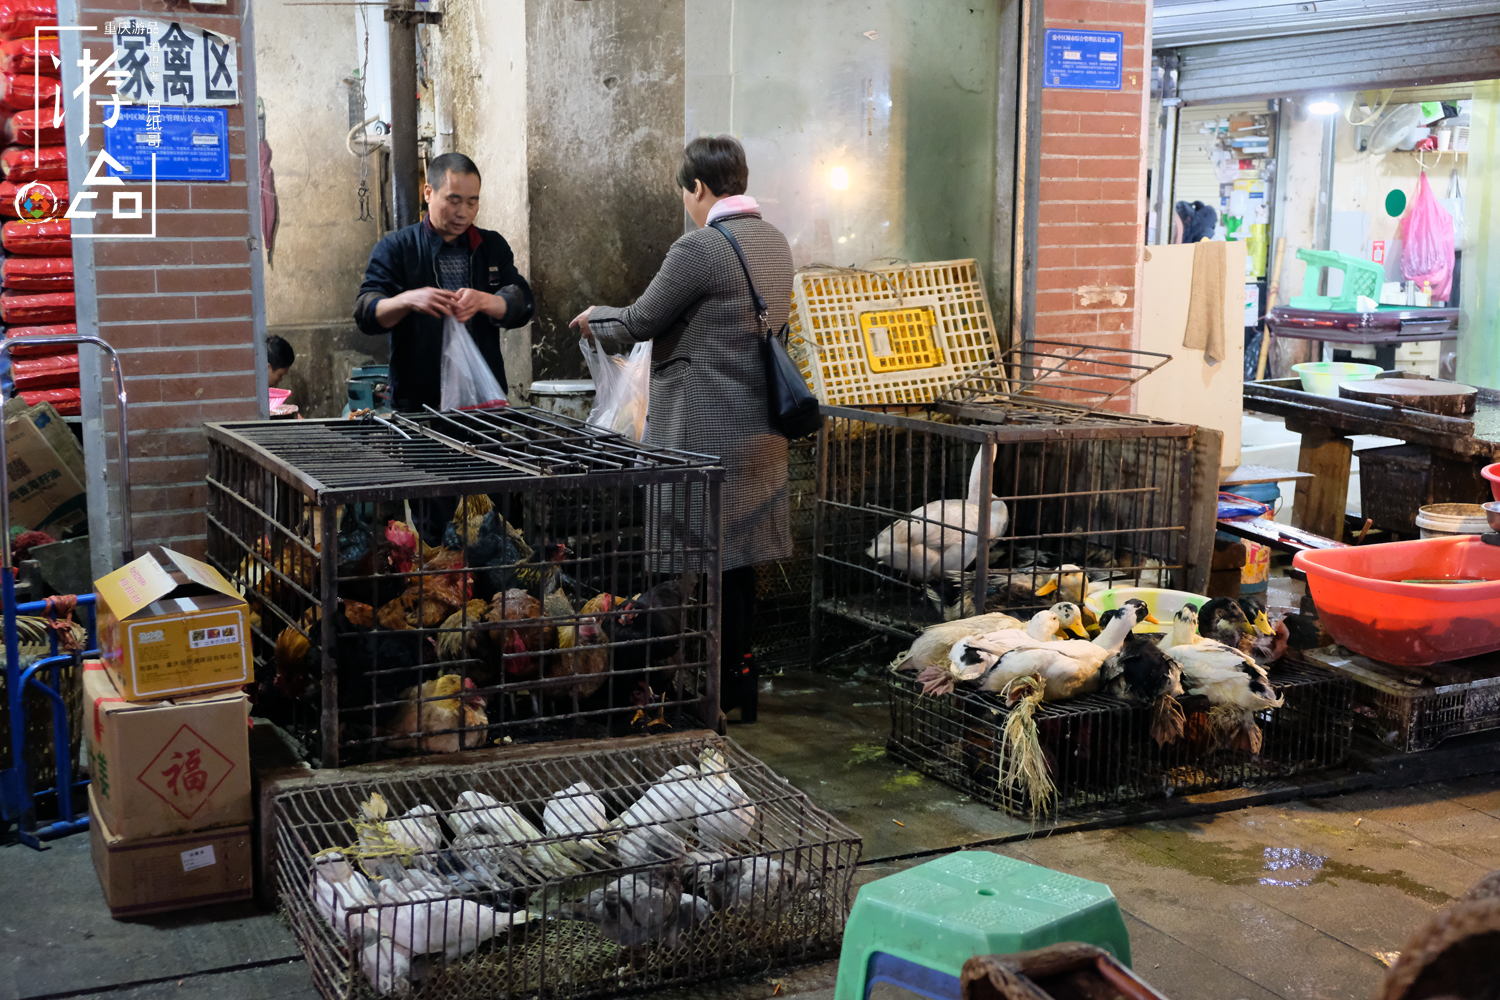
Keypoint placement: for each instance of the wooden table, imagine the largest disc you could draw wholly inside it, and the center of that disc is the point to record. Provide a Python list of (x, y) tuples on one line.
[(1326, 423)]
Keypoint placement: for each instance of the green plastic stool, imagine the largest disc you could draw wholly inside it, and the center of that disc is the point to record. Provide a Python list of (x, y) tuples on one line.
[(914, 931), (1361, 277)]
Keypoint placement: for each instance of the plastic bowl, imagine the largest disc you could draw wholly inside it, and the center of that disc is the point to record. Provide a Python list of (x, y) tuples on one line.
[(1492, 473), (1323, 377), (278, 396), (1162, 604), (1492, 514), (1364, 604)]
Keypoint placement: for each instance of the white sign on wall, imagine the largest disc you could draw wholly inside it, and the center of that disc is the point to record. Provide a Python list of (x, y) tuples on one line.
[(171, 63)]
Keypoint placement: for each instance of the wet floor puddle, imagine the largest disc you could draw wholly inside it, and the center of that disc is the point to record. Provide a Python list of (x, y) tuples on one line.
[(1286, 867)]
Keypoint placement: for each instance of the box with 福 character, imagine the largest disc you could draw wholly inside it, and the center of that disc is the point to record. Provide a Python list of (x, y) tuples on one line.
[(163, 768), (175, 629)]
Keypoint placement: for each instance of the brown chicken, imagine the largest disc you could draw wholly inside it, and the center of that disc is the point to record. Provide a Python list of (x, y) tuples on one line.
[(293, 677), (459, 640), (522, 635), (445, 703), (583, 650)]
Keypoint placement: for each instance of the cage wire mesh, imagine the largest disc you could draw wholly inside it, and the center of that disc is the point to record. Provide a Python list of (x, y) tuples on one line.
[(1098, 748), (39, 747), (1080, 505), (448, 580), (1410, 710), (561, 872)]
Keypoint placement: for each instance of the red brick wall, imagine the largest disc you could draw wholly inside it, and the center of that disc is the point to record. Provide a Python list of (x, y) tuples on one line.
[(1091, 220), (179, 308)]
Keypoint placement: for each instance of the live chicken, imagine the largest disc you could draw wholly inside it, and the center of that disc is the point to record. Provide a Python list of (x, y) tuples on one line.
[(447, 703)]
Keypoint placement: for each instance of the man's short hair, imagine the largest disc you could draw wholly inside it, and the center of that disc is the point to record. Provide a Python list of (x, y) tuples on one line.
[(449, 163), (716, 160), (279, 353)]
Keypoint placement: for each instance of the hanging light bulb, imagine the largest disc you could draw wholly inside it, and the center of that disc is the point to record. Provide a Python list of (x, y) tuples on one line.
[(838, 179)]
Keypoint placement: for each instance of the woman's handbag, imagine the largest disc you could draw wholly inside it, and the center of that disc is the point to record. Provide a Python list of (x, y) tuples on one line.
[(793, 408)]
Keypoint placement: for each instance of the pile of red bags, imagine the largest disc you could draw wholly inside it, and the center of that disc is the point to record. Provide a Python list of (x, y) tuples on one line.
[(36, 274)]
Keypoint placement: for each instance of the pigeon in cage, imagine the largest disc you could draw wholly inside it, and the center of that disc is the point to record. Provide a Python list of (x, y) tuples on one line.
[(577, 812), (758, 883), (424, 921), (477, 812), (1236, 686), (643, 908), (417, 831)]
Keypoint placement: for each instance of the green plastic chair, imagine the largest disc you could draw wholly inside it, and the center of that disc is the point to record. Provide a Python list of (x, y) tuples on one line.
[(1361, 277), (915, 930)]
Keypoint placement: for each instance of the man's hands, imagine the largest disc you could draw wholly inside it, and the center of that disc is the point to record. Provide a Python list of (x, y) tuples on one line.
[(462, 305), (580, 323)]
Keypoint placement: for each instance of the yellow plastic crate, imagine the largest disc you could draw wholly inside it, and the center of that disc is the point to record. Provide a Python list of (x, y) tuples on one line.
[(890, 335)]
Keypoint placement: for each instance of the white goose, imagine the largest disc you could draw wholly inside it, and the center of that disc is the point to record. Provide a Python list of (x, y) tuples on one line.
[(942, 536)]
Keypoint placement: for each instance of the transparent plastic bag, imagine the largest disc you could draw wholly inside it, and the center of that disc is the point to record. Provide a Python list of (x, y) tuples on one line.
[(622, 388), (468, 383), (1427, 243)]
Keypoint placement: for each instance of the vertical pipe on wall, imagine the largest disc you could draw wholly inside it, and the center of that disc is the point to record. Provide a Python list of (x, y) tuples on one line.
[(252, 189), (404, 158), (1008, 115), (1028, 172)]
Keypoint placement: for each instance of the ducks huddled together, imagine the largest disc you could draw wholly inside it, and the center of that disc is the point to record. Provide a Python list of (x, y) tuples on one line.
[(1219, 650)]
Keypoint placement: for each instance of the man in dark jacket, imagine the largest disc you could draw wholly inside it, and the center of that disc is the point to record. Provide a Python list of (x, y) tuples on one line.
[(442, 266)]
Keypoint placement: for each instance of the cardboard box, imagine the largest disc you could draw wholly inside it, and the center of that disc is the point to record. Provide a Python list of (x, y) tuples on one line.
[(45, 418), (45, 495), (170, 630), (169, 873), (166, 767)]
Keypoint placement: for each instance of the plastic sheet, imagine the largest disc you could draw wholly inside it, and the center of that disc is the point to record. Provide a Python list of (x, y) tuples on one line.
[(20, 55), (622, 388), (37, 274), (20, 164), (20, 18), (41, 350), (22, 127), (65, 401), (1427, 242), (468, 383), (38, 239), (20, 91), (59, 371), (38, 198), (30, 308)]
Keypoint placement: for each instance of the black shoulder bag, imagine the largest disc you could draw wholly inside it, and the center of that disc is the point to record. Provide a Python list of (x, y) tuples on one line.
[(793, 407)]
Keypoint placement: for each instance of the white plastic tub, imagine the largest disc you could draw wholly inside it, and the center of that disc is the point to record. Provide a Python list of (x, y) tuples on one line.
[(1440, 520)]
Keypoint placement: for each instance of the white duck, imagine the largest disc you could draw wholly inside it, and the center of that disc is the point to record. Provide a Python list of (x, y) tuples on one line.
[(942, 536), (971, 656), (1233, 682)]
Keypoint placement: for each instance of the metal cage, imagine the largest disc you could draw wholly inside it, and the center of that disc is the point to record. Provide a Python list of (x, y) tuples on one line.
[(1105, 496), (1098, 748), (445, 581), (775, 889)]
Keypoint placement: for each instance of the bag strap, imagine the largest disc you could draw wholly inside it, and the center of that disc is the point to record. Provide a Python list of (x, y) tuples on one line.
[(761, 312)]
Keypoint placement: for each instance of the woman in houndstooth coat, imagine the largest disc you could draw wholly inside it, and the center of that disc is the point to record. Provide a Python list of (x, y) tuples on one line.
[(708, 381)]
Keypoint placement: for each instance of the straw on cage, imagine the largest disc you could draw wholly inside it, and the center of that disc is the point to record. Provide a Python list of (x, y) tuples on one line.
[(1025, 761)]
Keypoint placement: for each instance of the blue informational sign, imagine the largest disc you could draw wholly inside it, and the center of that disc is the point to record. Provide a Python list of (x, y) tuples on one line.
[(191, 144), (1083, 60)]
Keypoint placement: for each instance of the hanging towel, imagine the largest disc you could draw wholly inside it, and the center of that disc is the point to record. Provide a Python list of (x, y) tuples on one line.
[(1205, 322)]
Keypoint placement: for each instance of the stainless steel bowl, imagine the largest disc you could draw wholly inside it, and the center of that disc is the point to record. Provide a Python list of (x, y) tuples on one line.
[(1492, 514)]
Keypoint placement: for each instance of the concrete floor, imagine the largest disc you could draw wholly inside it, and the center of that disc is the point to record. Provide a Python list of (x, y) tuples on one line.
[(1301, 900)]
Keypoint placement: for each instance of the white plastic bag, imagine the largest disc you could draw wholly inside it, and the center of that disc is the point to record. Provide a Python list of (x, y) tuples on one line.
[(622, 388), (468, 383)]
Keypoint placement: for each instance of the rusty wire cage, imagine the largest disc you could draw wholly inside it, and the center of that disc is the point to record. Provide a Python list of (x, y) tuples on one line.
[(586, 893), (1080, 501), (1098, 747), (445, 581)]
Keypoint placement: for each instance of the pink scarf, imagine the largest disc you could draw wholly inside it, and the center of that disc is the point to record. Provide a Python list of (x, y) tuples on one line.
[(735, 204)]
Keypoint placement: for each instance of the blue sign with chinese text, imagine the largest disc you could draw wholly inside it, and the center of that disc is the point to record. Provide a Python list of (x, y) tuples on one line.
[(191, 144), (1083, 60)]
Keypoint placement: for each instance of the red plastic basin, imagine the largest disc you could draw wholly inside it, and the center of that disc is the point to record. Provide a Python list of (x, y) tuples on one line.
[(1492, 473), (1366, 607)]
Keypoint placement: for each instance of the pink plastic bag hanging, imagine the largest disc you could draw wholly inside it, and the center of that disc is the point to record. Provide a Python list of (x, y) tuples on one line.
[(1427, 243)]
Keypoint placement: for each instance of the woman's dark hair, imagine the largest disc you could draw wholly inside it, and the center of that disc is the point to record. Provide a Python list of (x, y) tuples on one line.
[(716, 160), (279, 353)]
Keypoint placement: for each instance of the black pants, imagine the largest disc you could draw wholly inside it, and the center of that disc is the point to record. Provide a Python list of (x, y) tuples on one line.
[(738, 678)]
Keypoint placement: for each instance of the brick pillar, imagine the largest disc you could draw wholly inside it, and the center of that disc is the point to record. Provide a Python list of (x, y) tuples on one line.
[(1091, 219), (184, 308)]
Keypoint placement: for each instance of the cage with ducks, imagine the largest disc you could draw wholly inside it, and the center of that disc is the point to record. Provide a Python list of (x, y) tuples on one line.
[(444, 581), (1099, 751), (561, 870), (1002, 493)]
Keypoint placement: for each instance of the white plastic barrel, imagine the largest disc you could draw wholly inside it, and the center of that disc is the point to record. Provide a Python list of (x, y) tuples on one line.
[(568, 397), (1441, 519)]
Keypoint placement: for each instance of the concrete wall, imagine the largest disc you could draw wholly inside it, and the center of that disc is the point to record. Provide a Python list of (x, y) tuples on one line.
[(481, 57), (604, 105)]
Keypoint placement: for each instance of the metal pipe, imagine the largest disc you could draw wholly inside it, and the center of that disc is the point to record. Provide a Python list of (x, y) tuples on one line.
[(127, 542), (404, 187)]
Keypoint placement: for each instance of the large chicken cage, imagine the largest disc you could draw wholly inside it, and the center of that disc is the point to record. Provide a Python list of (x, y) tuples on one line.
[(560, 871), (1098, 748), (1099, 500), (445, 581), (783, 589)]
